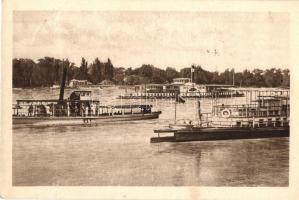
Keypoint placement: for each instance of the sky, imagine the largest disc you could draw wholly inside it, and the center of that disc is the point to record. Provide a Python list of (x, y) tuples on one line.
[(214, 40)]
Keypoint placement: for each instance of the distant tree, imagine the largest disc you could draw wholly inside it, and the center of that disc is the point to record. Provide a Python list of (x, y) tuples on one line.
[(258, 78), (278, 78), (158, 76), (201, 76), (215, 78), (82, 72), (171, 73), (133, 80), (286, 78), (119, 75), (247, 78), (95, 71), (108, 70), (47, 74), (185, 73), (22, 72), (226, 77), (129, 71), (273, 77), (145, 71)]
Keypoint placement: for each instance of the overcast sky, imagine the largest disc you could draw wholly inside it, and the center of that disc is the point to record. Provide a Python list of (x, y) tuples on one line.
[(179, 39)]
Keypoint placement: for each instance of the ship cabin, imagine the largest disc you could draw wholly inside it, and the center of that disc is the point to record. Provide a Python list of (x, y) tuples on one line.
[(193, 88), (157, 88), (264, 111), (80, 95), (79, 104)]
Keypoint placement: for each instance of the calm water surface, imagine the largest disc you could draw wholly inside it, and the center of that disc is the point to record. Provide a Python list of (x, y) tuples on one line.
[(121, 154)]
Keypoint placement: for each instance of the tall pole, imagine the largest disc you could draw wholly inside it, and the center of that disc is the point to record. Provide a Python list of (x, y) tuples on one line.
[(199, 111), (61, 94), (233, 77), (192, 73), (174, 112)]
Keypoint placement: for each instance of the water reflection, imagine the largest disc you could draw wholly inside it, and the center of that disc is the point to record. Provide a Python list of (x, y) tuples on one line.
[(235, 162)]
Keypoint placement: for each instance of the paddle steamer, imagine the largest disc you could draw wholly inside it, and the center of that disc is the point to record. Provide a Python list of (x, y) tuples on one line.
[(78, 109)]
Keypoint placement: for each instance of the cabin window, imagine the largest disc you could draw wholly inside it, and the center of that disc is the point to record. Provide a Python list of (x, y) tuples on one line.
[(192, 89)]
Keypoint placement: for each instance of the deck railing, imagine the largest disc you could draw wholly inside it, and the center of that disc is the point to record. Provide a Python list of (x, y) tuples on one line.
[(51, 111)]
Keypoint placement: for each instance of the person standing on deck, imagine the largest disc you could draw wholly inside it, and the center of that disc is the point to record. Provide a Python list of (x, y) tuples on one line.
[(86, 110), (96, 110), (48, 110), (30, 110), (93, 109), (82, 109)]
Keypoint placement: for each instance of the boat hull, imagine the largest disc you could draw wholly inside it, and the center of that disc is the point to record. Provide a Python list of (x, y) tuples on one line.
[(89, 120), (204, 134)]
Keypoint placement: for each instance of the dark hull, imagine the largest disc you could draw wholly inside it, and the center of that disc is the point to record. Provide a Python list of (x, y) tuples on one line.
[(60, 121), (204, 134)]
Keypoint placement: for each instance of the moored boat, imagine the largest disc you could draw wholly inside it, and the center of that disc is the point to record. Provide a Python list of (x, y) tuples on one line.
[(78, 109), (264, 116)]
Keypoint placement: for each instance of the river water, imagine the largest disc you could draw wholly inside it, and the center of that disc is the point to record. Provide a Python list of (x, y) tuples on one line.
[(121, 154)]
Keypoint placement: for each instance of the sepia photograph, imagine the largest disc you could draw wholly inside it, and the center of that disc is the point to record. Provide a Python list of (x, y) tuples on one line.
[(150, 98), (159, 98)]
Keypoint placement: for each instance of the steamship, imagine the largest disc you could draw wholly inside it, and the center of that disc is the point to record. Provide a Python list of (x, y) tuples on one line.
[(185, 88), (78, 109)]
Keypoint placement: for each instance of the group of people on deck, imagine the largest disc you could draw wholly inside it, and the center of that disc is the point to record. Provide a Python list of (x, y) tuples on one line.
[(79, 109)]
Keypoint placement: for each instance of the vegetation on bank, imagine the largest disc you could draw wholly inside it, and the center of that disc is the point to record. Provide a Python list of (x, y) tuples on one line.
[(48, 71)]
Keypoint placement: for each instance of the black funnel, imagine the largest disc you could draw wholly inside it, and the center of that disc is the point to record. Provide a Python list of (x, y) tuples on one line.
[(62, 84)]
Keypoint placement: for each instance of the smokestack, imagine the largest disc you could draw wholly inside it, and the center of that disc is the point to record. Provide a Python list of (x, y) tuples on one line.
[(62, 84)]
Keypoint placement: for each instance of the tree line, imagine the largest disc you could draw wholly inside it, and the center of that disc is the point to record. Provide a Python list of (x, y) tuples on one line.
[(273, 77), (48, 71)]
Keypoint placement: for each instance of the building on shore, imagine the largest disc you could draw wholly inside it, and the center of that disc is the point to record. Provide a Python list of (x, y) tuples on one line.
[(107, 82), (181, 81), (77, 83)]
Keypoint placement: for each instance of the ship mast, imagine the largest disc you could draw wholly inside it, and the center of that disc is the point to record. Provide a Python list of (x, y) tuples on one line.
[(192, 74)]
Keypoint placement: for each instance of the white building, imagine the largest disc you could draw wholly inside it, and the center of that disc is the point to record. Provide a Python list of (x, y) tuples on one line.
[(77, 83), (181, 81)]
